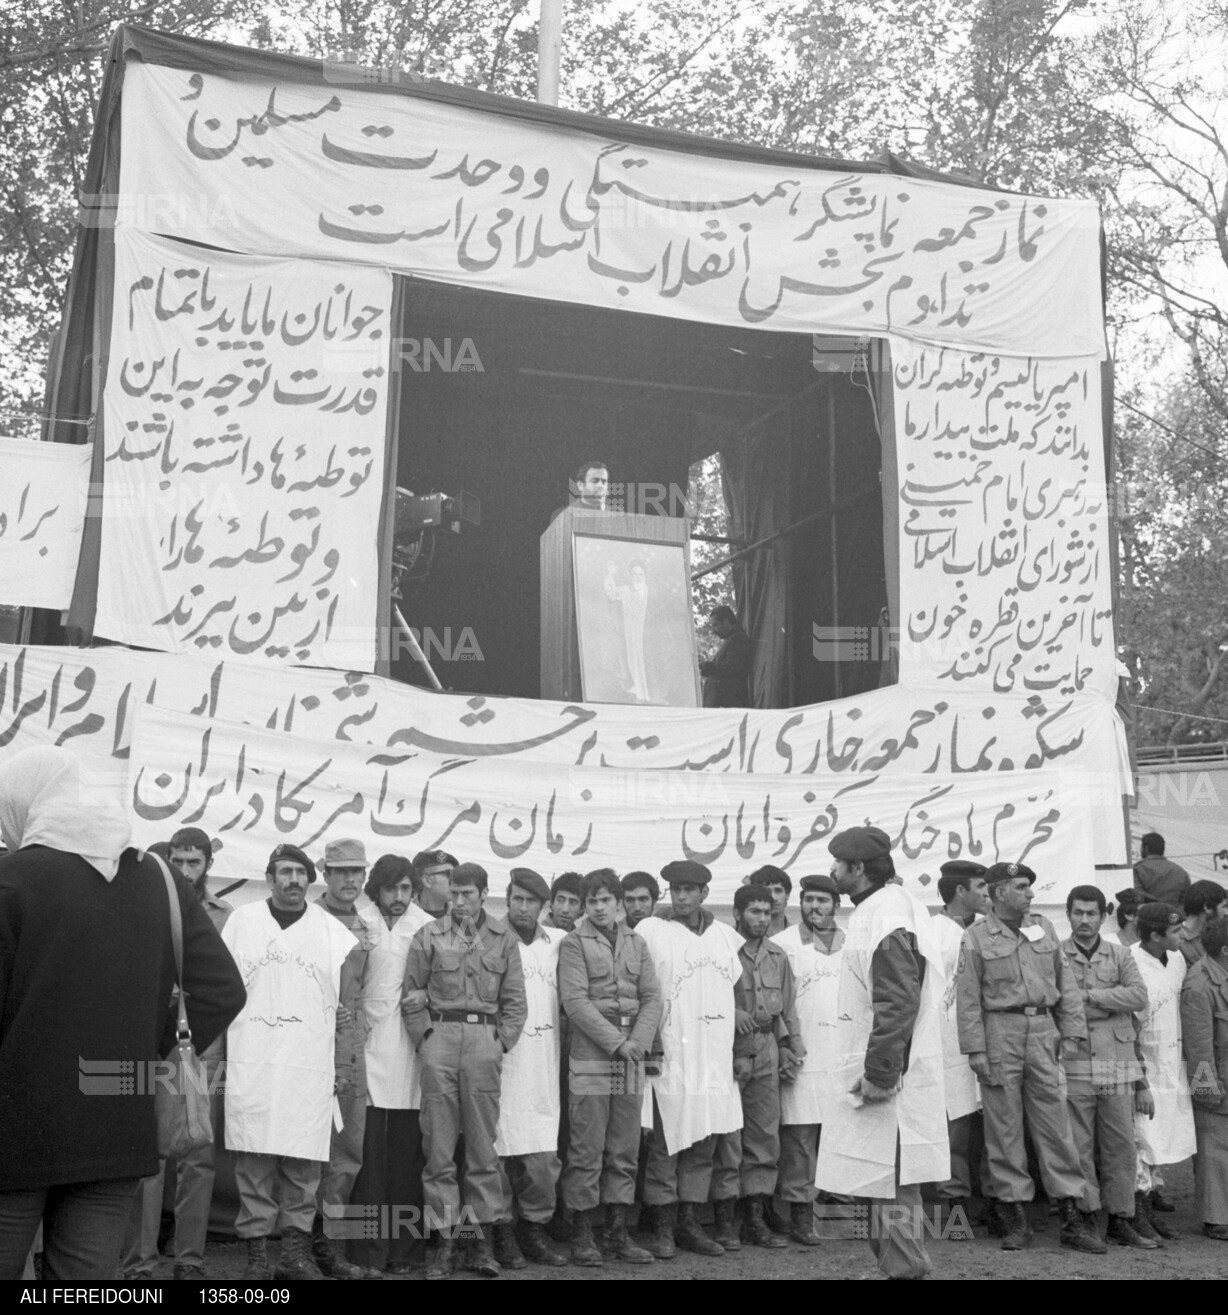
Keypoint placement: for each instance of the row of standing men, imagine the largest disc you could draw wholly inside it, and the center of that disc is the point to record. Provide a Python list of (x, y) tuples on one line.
[(533, 1043)]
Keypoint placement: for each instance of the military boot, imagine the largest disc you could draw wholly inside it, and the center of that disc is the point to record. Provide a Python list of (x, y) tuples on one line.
[(691, 1237), (725, 1224), (1159, 1225), (1122, 1231), (1077, 1231), (1141, 1221), (583, 1245), (757, 1230), (801, 1224), (1018, 1234), (330, 1257), (620, 1245), (442, 1261), (660, 1242), (507, 1249), (481, 1257), (535, 1245), (295, 1261), (258, 1268)]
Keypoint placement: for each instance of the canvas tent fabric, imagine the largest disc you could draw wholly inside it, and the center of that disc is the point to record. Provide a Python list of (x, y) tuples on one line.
[(1001, 736)]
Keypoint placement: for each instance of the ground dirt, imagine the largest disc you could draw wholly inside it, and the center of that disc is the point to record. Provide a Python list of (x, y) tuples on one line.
[(1193, 1256)]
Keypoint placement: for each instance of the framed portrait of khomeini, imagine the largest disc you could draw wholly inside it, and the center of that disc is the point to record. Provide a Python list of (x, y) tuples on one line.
[(634, 619)]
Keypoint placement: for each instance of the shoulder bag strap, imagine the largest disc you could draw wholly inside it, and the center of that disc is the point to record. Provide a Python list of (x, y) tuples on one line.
[(183, 1032)]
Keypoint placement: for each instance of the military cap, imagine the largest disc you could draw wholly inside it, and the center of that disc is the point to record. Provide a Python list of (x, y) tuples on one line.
[(345, 853), (1157, 916), (682, 872), (859, 844), (532, 883), (1008, 872), (291, 854), (820, 882), (963, 867)]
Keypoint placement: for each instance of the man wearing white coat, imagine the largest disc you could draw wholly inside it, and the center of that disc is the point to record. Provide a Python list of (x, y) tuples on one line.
[(964, 895), (1163, 1114), (696, 962), (528, 1135), (280, 1073), (392, 1161), (887, 1131), (816, 950)]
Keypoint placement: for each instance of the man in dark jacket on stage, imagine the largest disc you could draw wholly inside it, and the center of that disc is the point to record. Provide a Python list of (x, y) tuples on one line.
[(727, 675)]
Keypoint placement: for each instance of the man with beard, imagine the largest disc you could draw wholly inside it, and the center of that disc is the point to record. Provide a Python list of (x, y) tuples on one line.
[(815, 948), (890, 1059), (1101, 1087), (780, 887), (1163, 1114), (281, 1062), (345, 871), (392, 1162), (527, 1141), (640, 895), (964, 895), (767, 1044)]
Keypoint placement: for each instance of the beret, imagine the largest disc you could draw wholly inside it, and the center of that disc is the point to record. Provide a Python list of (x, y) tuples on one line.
[(532, 883), (348, 853), (682, 872), (1157, 917), (1008, 872), (963, 867), (292, 854), (859, 844), (1129, 896), (467, 874), (819, 882)]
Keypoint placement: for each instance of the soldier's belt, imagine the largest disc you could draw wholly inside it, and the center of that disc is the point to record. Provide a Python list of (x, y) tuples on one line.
[(454, 1016), (1032, 1011)]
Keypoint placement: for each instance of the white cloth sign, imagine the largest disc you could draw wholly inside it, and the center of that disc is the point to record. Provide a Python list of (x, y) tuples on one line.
[(43, 494), (963, 1092), (245, 410), (817, 977), (529, 1093), (247, 785), (336, 172), (279, 1051), (1005, 578), (695, 1092), (1168, 1138), (858, 1149), (393, 1079)]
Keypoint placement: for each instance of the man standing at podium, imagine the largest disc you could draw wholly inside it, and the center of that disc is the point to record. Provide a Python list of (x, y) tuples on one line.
[(591, 486)]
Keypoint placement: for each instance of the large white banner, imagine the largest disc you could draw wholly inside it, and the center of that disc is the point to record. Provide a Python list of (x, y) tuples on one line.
[(337, 172), (43, 492), (1005, 583), (245, 409), (735, 788)]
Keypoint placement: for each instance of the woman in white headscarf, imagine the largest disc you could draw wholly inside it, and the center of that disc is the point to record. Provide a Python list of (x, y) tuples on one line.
[(86, 973)]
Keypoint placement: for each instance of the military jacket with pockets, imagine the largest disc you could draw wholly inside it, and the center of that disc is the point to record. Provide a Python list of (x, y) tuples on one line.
[(999, 971), (1115, 990), (767, 993), (447, 973)]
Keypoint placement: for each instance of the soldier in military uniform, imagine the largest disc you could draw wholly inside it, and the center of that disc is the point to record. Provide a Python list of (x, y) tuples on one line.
[(767, 1040), (1015, 997), (1100, 1086)]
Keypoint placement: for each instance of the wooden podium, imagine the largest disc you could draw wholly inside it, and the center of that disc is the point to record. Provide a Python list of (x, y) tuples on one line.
[(562, 675)]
